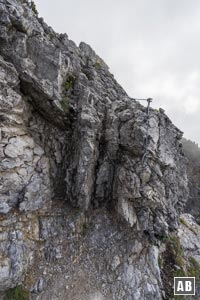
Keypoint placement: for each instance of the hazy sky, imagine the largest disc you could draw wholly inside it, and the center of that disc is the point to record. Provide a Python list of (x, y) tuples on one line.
[(151, 46)]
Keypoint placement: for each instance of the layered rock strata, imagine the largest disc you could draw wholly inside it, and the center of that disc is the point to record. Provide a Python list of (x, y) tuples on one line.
[(71, 149)]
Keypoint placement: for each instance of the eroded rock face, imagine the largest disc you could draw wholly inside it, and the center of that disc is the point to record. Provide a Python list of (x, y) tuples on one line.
[(29, 175), (189, 234), (180, 256), (71, 135)]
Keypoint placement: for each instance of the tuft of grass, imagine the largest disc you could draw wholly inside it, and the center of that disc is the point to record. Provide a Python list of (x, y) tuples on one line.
[(174, 247), (193, 270), (69, 84), (172, 264), (17, 293), (51, 35), (65, 104), (182, 221)]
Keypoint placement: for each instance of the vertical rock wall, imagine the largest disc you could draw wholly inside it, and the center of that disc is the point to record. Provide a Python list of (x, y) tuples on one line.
[(73, 182)]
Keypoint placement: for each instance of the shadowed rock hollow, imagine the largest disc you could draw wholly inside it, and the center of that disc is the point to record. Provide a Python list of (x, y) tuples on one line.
[(81, 216)]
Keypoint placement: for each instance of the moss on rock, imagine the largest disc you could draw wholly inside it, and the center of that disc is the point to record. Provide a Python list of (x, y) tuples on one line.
[(69, 84), (65, 104), (193, 270), (33, 7), (17, 293), (173, 264)]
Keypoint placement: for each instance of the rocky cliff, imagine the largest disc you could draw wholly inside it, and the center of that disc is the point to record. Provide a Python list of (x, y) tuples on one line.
[(82, 214)]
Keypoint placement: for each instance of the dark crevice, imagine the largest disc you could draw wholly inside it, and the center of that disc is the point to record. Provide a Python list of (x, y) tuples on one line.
[(44, 105), (106, 187)]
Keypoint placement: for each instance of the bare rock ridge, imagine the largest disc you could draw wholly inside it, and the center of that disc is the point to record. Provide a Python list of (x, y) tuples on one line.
[(81, 216)]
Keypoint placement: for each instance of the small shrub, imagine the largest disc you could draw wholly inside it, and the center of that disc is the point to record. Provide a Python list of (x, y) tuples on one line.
[(33, 7), (97, 65), (69, 84), (17, 293), (174, 247), (51, 35)]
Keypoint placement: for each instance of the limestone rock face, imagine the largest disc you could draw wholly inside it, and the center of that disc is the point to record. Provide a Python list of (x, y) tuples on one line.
[(180, 256), (71, 140), (189, 234)]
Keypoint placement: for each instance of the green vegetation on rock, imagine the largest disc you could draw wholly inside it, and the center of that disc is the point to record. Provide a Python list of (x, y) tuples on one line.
[(65, 104), (182, 221), (193, 270), (69, 84), (33, 7), (97, 65), (172, 264), (17, 293), (174, 247)]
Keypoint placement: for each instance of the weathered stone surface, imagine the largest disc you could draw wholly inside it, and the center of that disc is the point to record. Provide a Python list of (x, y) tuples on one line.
[(179, 256), (189, 234), (71, 137), (19, 166), (104, 259)]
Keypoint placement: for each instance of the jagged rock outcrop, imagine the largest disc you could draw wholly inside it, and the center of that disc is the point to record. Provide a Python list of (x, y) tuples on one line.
[(76, 197), (180, 256)]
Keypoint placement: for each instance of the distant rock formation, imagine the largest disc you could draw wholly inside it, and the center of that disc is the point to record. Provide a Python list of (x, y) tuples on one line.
[(192, 152), (81, 215)]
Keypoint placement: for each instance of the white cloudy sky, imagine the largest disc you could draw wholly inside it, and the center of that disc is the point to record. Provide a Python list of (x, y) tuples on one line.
[(151, 46)]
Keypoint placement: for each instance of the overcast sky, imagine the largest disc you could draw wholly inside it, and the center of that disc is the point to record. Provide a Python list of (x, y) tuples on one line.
[(151, 46)]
